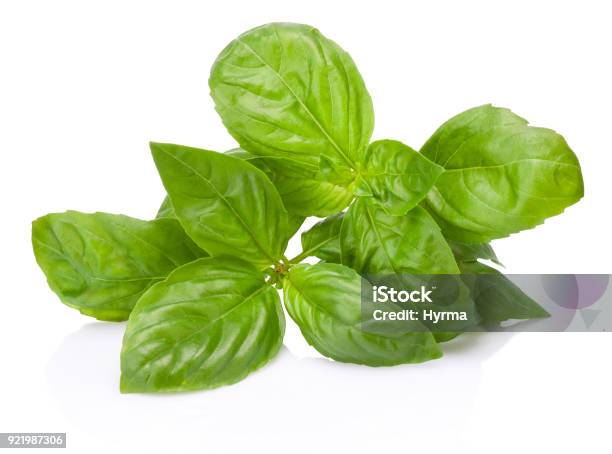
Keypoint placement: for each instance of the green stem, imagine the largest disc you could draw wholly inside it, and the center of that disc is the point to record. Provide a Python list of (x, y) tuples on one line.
[(301, 256)]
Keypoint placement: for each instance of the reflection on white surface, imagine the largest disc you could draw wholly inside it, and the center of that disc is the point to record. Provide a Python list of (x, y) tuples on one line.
[(346, 406)]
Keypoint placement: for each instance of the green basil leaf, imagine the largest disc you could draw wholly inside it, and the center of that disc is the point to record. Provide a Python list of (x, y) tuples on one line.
[(325, 302), (101, 263), (396, 176), (323, 239), (497, 298), (285, 90), (502, 176), (404, 252), (446, 337), (472, 252), (166, 210), (374, 242), (308, 196), (210, 323), (294, 223), (303, 192), (227, 206), (335, 174)]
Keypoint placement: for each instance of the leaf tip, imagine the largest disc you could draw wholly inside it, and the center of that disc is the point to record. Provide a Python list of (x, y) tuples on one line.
[(155, 146)]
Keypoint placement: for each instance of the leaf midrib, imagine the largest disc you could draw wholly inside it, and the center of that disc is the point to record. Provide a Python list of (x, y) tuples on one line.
[(225, 201), (352, 326), (87, 273), (301, 103), (379, 238), (319, 306), (199, 330), (462, 169)]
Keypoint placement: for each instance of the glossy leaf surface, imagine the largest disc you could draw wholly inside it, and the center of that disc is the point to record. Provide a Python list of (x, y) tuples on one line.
[(502, 176), (325, 302), (374, 242), (285, 90), (323, 239), (302, 191), (100, 264), (396, 176), (210, 323), (226, 205), (405, 252)]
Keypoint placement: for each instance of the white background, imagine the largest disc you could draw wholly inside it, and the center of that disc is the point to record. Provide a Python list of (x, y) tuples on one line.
[(85, 85)]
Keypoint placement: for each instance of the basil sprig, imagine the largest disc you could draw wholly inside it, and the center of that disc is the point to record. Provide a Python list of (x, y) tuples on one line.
[(199, 285)]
